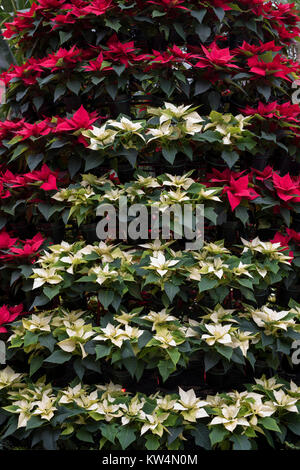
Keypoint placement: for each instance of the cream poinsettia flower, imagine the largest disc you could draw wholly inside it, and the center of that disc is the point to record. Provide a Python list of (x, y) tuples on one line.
[(64, 315), (179, 181), (111, 389), (215, 266), (45, 276), (63, 247), (125, 125), (283, 401), (74, 260), (173, 197), (268, 384), (108, 409), (190, 406), (271, 319), (166, 339), (229, 418), (147, 182), (160, 264), (209, 194), (40, 322), (71, 394), (156, 246), (79, 333), (24, 409), (103, 274), (159, 318), (125, 318), (44, 407), (166, 403), (88, 402), (272, 250), (219, 315), (213, 248), (194, 273), (294, 390), (166, 130), (242, 269), (9, 378), (218, 334), (89, 179), (100, 136), (106, 252), (241, 339), (111, 333), (133, 410), (258, 409), (154, 424)]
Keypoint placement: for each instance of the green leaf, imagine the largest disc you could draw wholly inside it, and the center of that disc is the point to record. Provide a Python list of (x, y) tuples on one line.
[(30, 338), (74, 86), (166, 368), (203, 32), (240, 442), (201, 436), (169, 153), (241, 213), (220, 13), (269, 423), (84, 435), (51, 292), (201, 86), (18, 151), (217, 434), (152, 442), (199, 15), (174, 355), (59, 91), (126, 436), (230, 157), (109, 431), (171, 290), (119, 69), (106, 297), (35, 364), (102, 350), (144, 339), (59, 357), (206, 284), (64, 36)]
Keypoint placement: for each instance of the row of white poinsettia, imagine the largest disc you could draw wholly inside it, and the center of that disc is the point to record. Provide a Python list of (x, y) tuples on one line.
[(109, 402)]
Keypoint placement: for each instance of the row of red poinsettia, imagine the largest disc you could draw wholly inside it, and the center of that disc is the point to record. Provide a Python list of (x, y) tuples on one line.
[(57, 13), (213, 58)]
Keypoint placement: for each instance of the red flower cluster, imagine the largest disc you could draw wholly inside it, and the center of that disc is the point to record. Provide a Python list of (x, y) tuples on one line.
[(9, 314), (46, 177), (81, 119), (286, 111), (15, 248)]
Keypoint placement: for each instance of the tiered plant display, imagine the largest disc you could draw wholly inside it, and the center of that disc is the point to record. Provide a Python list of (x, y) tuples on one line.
[(141, 344)]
